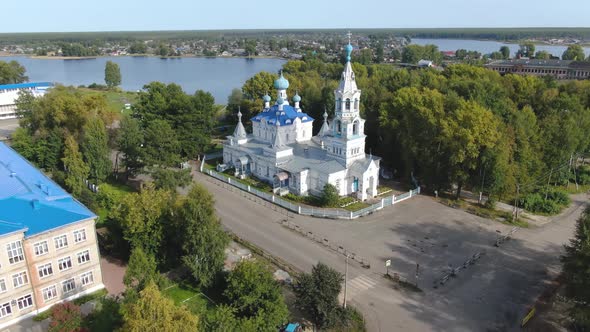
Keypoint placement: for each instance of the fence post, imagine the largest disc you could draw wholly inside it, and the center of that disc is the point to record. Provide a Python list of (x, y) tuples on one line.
[(273, 198), (382, 202), (350, 214), (299, 209), (229, 180), (248, 188)]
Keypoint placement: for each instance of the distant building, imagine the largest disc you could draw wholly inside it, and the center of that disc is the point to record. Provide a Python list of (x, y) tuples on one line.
[(9, 94), (425, 63), (560, 69), (48, 247)]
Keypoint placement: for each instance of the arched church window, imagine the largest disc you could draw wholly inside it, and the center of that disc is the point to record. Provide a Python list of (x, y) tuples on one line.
[(355, 128), (338, 104), (356, 104), (347, 106), (338, 127)]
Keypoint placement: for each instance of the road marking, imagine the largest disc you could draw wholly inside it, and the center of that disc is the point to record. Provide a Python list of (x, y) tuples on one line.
[(359, 285)]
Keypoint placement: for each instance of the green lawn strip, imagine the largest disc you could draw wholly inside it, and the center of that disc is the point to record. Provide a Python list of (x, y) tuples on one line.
[(192, 298), (356, 206)]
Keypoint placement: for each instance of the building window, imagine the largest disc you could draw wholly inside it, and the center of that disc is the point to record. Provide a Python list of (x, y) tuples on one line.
[(49, 293), (83, 257), (347, 104), (61, 241), (45, 270), (86, 278), (41, 248), (20, 279), (338, 184), (68, 285), (15, 252), (64, 263), (24, 302), (2, 285), (5, 309), (79, 235)]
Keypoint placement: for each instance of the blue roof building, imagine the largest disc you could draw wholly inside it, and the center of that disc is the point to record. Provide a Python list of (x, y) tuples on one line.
[(32, 202), (48, 246), (9, 93)]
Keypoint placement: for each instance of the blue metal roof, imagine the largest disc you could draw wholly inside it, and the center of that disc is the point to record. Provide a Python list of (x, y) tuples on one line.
[(285, 117), (26, 85), (32, 202)]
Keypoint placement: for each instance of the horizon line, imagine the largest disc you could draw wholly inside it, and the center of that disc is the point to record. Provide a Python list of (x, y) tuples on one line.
[(302, 29)]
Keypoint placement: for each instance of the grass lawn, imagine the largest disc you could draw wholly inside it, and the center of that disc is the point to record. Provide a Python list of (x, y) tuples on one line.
[(193, 299), (356, 206), (116, 100)]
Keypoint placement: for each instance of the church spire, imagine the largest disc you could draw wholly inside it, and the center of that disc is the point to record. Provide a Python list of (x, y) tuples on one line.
[(325, 130), (240, 131)]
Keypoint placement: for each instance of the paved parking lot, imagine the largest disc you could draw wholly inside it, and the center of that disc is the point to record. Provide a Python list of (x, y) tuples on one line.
[(492, 294)]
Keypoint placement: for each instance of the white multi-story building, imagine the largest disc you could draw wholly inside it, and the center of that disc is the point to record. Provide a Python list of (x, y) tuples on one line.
[(9, 93), (48, 247), (282, 149)]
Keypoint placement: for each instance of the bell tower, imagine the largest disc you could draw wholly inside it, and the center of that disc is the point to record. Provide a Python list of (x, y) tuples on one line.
[(347, 126)]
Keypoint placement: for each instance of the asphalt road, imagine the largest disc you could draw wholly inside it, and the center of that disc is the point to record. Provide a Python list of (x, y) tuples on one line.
[(7, 127), (491, 295)]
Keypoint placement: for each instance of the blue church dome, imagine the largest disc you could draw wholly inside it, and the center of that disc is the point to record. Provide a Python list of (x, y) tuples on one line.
[(281, 83), (348, 49), (266, 98), (296, 98), (280, 101)]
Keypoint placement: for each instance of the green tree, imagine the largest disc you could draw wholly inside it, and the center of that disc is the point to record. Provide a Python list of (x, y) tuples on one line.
[(576, 267), (161, 144), (152, 312), (142, 217), (471, 130), (203, 239), (574, 52), (543, 55), (527, 49), (330, 196), (96, 150), (170, 179), (138, 48), (189, 121), (76, 169), (130, 142), (222, 319), (163, 50), (505, 50), (141, 270), (112, 74), (256, 296), (12, 72), (317, 294), (65, 317)]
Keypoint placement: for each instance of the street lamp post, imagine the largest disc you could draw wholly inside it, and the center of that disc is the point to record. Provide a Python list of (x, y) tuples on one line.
[(345, 280)]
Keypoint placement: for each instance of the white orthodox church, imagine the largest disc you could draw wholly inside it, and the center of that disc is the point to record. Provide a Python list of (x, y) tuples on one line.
[(281, 149)]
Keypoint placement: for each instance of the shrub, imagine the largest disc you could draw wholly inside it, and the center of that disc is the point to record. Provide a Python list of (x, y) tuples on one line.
[(330, 196)]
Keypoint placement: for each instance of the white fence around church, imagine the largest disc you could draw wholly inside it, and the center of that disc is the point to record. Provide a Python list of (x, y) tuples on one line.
[(311, 211)]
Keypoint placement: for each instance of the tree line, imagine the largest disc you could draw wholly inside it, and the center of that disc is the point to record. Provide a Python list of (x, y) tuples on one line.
[(465, 126)]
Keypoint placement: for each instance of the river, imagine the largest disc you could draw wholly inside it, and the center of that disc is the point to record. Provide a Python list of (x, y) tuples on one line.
[(215, 75), (488, 46)]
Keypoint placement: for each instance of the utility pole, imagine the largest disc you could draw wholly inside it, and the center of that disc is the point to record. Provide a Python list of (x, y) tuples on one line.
[(515, 214), (345, 280)]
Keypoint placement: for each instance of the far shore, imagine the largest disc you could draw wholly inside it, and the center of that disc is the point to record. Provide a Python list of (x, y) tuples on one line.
[(46, 57)]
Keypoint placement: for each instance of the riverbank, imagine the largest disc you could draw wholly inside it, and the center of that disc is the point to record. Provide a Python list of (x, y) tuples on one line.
[(47, 57)]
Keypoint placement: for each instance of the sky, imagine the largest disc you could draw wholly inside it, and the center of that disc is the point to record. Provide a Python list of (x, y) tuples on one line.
[(136, 15)]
